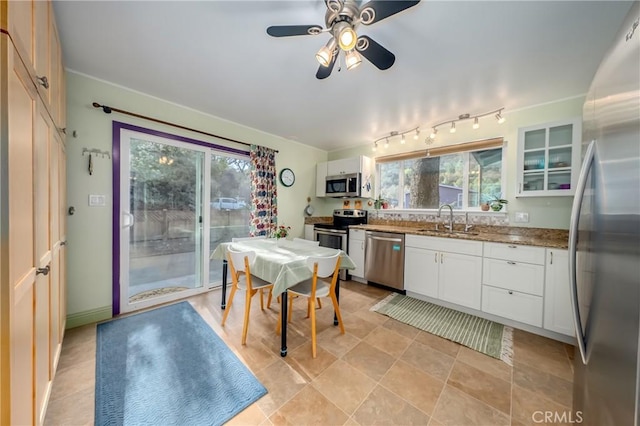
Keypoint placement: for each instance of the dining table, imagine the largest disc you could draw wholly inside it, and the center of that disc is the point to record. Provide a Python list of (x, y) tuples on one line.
[(283, 263)]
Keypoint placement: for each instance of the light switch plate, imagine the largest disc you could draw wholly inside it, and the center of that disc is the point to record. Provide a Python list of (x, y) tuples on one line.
[(521, 217), (97, 200)]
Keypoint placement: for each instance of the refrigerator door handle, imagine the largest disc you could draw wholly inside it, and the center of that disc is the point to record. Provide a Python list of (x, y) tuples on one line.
[(573, 246)]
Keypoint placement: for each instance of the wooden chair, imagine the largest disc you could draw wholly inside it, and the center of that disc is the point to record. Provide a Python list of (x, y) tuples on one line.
[(240, 263), (314, 287)]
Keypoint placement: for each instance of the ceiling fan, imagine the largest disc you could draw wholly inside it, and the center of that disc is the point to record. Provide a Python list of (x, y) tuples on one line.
[(341, 20)]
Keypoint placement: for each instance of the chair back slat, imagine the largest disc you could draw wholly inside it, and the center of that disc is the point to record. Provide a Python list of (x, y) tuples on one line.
[(237, 258), (326, 265)]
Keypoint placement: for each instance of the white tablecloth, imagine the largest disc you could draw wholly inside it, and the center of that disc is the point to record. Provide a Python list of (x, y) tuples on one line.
[(282, 262)]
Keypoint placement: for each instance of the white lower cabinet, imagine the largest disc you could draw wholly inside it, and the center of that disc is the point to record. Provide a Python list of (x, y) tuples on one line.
[(513, 282), (308, 232), (460, 279), (356, 252), (444, 268), (558, 312), (511, 304), (421, 271)]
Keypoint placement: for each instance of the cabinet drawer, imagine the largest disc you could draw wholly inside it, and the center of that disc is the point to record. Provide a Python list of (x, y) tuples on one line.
[(450, 245), (356, 234), (514, 252), (510, 275), (513, 305)]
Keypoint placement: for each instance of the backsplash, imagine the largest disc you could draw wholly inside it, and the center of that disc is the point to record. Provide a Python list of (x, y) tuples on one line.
[(389, 217)]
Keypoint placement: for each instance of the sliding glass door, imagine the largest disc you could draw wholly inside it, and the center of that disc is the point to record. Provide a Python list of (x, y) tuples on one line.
[(162, 199)]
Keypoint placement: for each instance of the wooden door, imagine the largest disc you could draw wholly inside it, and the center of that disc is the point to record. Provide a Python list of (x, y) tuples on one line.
[(43, 372), (22, 255)]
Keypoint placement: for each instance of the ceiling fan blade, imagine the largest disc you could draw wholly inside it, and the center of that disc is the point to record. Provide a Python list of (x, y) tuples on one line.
[(375, 53), (324, 72), (383, 9), (293, 30)]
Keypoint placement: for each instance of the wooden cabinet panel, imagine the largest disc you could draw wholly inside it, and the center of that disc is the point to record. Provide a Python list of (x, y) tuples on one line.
[(21, 234), (21, 351), (20, 25)]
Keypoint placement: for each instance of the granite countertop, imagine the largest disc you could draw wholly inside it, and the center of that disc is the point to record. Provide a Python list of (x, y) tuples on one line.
[(540, 237)]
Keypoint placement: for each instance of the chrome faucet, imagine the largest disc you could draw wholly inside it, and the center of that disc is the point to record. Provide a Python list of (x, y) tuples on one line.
[(450, 226), (467, 225)]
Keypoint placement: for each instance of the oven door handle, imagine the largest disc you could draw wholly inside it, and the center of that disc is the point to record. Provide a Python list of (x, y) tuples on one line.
[(331, 231)]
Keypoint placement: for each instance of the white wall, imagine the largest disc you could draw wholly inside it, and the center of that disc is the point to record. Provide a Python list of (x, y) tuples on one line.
[(544, 212), (90, 230)]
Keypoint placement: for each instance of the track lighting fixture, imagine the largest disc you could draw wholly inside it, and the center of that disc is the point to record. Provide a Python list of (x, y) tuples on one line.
[(375, 147), (434, 129)]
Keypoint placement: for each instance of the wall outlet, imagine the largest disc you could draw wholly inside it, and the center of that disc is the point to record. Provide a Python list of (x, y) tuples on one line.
[(521, 217), (97, 200)]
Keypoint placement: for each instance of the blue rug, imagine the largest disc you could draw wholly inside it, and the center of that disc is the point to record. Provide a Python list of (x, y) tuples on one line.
[(168, 367)]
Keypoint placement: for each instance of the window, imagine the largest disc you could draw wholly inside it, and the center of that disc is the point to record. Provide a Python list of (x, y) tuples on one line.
[(463, 176)]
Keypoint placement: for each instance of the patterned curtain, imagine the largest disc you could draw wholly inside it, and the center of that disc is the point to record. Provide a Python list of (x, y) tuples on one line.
[(264, 201)]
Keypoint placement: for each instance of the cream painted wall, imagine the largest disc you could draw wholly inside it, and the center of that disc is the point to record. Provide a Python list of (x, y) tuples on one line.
[(90, 229), (544, 212)]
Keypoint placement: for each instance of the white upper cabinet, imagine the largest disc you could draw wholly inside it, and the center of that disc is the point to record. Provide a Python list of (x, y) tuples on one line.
[(549, 159), (321, 178)]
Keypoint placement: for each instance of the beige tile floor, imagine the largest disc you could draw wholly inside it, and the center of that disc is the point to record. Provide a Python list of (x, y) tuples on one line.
[(381, 371)]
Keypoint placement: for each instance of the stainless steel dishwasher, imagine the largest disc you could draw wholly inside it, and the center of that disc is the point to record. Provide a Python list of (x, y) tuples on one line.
[(384, 259)]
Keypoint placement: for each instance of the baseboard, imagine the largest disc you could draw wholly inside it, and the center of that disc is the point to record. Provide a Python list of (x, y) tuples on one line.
[(88, 317)]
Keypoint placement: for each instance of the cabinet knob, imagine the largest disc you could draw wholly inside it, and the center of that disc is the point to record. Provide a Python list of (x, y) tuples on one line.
[(44, 81), (513, 246), (43, 271), (510, 292), (511, 263)]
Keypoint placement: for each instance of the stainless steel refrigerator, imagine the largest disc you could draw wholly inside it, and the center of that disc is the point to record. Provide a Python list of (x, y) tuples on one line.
[(604, 239)]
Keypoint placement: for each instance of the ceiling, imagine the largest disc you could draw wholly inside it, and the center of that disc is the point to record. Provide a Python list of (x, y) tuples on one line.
[(452, 57)]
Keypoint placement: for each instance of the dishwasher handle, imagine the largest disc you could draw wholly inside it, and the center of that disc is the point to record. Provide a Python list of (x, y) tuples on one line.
[(395, 240)]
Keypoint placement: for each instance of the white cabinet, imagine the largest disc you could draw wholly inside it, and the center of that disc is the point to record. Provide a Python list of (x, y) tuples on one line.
[(421, 271), (356, 251), (549, 159), (558, 312), (321, 178), (308, 232), (444, 268), (513, 282), (344, 166)]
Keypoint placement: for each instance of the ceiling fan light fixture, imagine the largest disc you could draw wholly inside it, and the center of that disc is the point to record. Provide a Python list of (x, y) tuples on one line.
[(347, 37), (353, 59), (325, 54)]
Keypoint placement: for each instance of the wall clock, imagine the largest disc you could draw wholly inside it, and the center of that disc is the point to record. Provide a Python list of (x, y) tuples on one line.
[(287, 177)]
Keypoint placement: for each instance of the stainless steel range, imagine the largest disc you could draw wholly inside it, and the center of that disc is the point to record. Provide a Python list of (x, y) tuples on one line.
[(336, 234)]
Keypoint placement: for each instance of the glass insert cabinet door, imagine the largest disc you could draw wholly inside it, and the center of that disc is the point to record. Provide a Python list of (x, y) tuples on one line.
[(549, 159)]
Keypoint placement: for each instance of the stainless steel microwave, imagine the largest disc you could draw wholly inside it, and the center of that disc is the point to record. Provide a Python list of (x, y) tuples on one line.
[(347, 185)]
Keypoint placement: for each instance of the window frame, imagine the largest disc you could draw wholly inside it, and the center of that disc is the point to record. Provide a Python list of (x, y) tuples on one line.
[(463, 148)]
